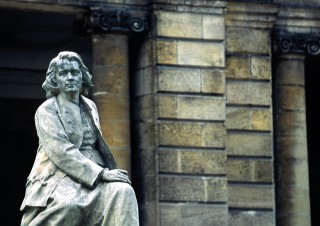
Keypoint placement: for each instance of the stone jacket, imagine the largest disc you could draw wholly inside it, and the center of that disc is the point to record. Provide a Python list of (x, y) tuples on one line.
[(59, 129)]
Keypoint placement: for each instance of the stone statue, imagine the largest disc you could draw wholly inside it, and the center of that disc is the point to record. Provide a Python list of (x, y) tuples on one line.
[(74, 180)]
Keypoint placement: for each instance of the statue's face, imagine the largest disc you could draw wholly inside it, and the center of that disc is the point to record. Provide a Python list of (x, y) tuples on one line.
[(69, 76)]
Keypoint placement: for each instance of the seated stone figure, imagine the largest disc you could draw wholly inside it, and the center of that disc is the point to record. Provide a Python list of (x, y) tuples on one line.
[(74, 180)]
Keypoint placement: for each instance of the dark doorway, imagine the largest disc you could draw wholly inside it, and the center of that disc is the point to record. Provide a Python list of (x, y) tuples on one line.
[(28, 41), (313, 113)]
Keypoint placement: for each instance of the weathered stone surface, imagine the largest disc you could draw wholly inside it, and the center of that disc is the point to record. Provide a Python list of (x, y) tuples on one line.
[(251, 196), (123, 158), (146, 134), (201, 53), (291, 98), (144, 107), (250, 170), (179, 80), (192, 134), (246, 40), (144, 81), (250, 144), (251, 218), (191, 107), (292, 123), (110, 79), (256, 93), (213, 81), (146, 54), (199, 26), (166, 52), (113, 106), (186, 214), (187, 188), (116, 132), (192, 161), (249, 118), (261, 68), (237, 67)]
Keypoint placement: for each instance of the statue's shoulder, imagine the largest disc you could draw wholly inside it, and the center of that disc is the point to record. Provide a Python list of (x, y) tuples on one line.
[(48, 105), (89, 102)]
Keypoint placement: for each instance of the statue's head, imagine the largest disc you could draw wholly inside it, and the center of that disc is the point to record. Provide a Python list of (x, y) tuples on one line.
[(50, 84)]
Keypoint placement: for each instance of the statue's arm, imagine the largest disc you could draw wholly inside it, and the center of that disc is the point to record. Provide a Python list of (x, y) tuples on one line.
[(65, 155)]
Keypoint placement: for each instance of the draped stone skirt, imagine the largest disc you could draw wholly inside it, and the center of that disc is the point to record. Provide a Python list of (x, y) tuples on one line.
[(73, 204)]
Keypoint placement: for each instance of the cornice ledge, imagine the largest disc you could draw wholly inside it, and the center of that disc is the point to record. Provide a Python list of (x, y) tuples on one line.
[(251, 15)]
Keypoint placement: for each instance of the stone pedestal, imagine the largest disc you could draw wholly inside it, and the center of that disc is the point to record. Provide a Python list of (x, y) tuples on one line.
[(292, 180), (111, 93)]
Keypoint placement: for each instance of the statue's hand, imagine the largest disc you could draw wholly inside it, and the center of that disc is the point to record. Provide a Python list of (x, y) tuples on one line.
[(115, 175)]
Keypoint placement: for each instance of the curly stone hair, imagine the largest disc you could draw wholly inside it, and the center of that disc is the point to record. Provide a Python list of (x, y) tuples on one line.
[(50, 84)]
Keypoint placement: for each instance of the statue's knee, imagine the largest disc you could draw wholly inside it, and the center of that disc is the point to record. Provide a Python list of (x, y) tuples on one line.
[(124, 188)]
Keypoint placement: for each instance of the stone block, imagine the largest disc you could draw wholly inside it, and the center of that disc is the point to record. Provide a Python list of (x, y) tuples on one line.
[(290, 72), (109, 79), (146, 138), (144, 81), (291, 123), (192, 107), (248, 40), (261, 68), (250, 170), (187, 214), (249, 118), (196, 189), (237, 67), (192, 134), (179, 80), (213, 81), (113, 106), (145, 55), (251, 218), (192, 161), (262, 119), (116, 133), (213, 27), (250, 144), (122, 157), (166, 52), (182, 25), (144, 107), (238, 118), (251, 196), (207, 54), (255, 93), (291, 98)]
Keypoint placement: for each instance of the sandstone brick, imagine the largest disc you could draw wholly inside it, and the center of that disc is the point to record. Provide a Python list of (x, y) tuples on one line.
[(256, 93), (168, 106), (251, 217), (201, 53), (113, 106), (206, 108), (109, 79), (251, 196), (293, 145), (146, 138), (213, 27), (116, 133), (179, 80), (144, 81), (166, 52), (172, 24), (123, 157), (213, 81), (192, 134), (249, 144), (238, 118), (261, 68), (291, 98), (185, 214), (186, 188), (250, 170), (237, 67), (144, 107), (291, 123), (246, 40), (262, 119), (192, 161), (290, 72), (146, 54)]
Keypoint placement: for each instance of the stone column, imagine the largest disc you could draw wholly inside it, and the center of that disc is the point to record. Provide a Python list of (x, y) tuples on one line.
[(291, 151), (111, 29), (111, 93)]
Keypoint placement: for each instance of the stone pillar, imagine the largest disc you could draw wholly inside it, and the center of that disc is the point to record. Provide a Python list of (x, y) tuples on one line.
[(292, 177), (111, 29), (111, 93)]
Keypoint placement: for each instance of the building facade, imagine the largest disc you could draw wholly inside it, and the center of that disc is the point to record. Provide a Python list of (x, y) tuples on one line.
[(210, 105)]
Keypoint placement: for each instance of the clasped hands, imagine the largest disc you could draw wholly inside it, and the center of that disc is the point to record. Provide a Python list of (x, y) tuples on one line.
[(115, 175)]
